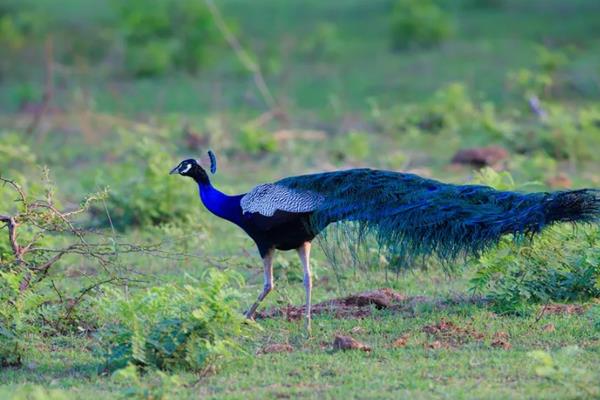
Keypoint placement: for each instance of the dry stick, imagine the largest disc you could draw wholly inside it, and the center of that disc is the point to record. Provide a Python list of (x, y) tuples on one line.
[(48, 86), (242, 54), (12, 235)]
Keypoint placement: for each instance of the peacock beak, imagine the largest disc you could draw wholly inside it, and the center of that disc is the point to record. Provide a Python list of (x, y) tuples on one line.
[(174, 170)]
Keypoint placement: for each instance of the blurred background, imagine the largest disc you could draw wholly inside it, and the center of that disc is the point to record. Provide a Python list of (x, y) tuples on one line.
[(112, 94)]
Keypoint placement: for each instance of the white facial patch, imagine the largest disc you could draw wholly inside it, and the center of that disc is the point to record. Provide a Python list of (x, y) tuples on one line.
[(186, 169)]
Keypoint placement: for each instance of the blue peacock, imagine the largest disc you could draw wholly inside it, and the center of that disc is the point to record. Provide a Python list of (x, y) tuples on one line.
[(409, 216)]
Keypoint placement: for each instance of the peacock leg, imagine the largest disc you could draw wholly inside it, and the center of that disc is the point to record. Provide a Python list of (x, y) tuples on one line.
[(304, 253), (268, 286)]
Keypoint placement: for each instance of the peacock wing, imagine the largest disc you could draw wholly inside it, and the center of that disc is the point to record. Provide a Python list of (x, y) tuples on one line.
[(269, 198)]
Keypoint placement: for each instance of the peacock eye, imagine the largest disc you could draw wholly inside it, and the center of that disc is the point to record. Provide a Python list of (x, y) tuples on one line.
[(185, 169)]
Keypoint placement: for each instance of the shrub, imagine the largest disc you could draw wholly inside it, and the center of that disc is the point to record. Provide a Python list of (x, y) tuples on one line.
[(169, 34), (142, 193), (18, 317), (173, 327), (419, 23), (561, 264), (35, 238), (257, 141)]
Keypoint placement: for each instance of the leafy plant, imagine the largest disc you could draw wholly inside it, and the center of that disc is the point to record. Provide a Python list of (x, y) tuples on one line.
[(36, 238), (256, 141), (174, 327), (18, 317), (152, 385), (420, 23), (170, 34), (145, 194), (562, 264)]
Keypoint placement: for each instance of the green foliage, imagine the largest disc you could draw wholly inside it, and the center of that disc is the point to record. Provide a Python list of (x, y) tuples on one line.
[(174, 327), (152, 385), (19, 319), (546, 78), (351, 146), (561, 264), (583, 382), (145, 194), (257, 141), (420, 23), (33, 392), (451, 113), (172, 34), (570, 134), (323, 43)]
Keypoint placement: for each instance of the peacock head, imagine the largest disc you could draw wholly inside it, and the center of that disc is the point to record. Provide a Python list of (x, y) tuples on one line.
[(192, 168)]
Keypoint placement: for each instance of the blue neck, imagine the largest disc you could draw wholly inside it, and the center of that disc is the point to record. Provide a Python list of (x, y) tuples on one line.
[(220, 204)]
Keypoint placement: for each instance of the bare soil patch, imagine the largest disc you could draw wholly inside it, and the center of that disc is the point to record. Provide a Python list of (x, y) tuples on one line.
[(362, 304), (276, 348), (447, 334), (560, 309)]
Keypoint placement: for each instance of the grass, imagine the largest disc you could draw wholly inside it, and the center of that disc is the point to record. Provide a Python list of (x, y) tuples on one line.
[(474, 369)]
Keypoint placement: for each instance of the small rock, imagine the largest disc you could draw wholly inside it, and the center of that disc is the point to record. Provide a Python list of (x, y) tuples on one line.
[(276, 348), (342, 342)]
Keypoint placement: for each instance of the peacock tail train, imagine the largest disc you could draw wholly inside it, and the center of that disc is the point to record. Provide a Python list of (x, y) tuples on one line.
[(412, 217)]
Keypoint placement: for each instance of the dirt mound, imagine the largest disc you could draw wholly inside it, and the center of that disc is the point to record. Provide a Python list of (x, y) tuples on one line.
[(361, 305), (276, 348), (356, 305), (492, 156), (558, 309)]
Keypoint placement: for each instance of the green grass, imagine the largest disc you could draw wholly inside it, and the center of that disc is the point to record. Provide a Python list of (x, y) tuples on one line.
[(490, 43), (474, 369)]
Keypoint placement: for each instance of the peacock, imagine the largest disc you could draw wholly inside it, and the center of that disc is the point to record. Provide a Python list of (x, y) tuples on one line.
[(409, 216)]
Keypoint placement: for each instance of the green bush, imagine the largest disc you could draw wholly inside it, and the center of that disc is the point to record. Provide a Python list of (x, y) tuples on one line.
[(419, 23), (561, 264), (174, 327), (257, 141), (141, 191), (19, 320), (170, 34)]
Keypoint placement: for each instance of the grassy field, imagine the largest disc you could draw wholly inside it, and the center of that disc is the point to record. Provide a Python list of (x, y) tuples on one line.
[(347, 100)]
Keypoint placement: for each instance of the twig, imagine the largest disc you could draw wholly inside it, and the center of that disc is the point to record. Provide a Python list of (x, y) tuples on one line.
[(12, 225), (242, 54)]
